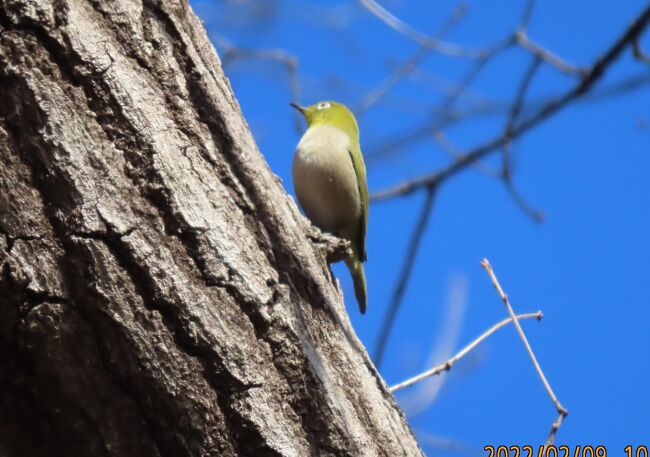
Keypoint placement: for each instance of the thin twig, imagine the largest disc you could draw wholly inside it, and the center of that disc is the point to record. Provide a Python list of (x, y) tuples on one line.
[(290, 63), (506, 167), (441, 111), (384, 147), (532, 212), (402, 282), (279, 55), (409, 65), (455, 153), (639, 54), (518, 103), (445, 86), (593, 75), (547, 56), (487, 55), (409, 32), (562, 411), (527, 14), (480, 64), (462, 353), (471, 75), (555, 426)]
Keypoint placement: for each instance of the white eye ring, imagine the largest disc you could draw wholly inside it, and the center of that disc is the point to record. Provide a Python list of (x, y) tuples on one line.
[(323, 105)]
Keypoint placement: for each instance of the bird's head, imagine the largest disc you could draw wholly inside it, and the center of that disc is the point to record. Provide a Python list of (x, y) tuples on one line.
[(329, 113)]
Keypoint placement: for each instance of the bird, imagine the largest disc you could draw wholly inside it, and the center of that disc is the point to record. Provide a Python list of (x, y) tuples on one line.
[(329, 177)]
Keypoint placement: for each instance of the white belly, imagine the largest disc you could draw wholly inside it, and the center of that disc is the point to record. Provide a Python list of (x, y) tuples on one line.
[(325, 181)]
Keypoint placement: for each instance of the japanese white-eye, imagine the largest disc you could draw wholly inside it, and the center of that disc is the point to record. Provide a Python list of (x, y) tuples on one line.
[(329, 177)]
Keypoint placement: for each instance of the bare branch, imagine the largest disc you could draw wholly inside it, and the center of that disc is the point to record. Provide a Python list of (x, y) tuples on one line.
[(525, 17), (447, 87), (593, 75), (562, 411), (409, 32), (455, 153), (521, 38), (442, 110), (521, 95), (555, 426), (438, 369), (506, 170), (279, 55), (400, 287), (474, 72), (587, 81), (384, 147), (410, 64), (532, 212), (290, 63), (547, 56)]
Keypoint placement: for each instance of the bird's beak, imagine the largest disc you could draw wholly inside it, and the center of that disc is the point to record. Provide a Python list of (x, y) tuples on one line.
[(298, 107)]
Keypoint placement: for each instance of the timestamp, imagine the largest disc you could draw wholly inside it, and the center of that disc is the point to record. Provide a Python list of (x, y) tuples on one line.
[(560, 451)]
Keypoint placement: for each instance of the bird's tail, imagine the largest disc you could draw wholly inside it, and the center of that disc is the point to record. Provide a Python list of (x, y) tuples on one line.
[(359, 278)]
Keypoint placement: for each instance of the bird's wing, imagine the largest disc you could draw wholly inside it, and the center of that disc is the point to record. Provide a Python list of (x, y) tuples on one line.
[(360, 172)]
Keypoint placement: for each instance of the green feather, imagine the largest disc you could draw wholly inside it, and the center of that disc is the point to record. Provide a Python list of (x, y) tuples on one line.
[(360, 172), (359, 244)]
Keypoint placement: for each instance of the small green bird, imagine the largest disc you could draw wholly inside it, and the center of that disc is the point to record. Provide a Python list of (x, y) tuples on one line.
[(329, 176)]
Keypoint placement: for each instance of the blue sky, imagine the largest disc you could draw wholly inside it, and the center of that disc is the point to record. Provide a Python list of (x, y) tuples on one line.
[(586, 267)]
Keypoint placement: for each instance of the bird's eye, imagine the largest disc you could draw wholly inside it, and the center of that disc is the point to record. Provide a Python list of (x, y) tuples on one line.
[(323, 105)]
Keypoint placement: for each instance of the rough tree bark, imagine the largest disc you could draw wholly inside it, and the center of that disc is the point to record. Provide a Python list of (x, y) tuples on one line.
[(159, 294)]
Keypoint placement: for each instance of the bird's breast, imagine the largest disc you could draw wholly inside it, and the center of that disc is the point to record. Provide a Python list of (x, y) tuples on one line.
[(325, 181)]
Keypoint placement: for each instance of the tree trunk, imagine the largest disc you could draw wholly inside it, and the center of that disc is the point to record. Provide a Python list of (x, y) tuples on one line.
[(159, 294)]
